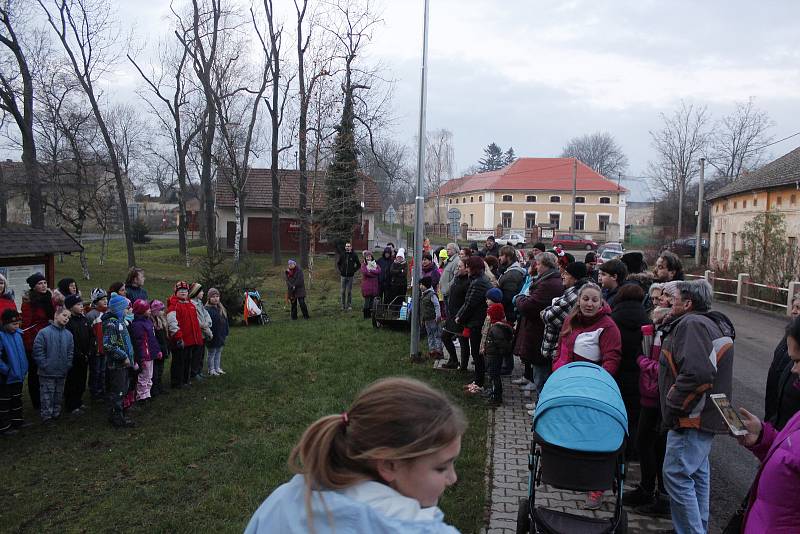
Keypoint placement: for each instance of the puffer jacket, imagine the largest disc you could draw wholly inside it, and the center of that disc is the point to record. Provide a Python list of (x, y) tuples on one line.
[(183, 322), (398, 275), (510, 282), (7, 303), (608, 341), (386, 265), (117, 344), (629, 315), (540, 295), (204, 319), (456, 298), (370, 281), (499, 340), (52, 350), (554, 316), (696, 361), (219, 325), (473, 311), (13, 363), (449, 274), (143, 337), (37, 311), (83, 337)]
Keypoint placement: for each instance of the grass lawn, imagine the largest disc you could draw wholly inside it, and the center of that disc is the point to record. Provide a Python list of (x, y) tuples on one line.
[(202, 459)]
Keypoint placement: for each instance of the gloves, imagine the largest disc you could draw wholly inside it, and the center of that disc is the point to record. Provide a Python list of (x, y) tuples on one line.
[(180, 344), (466, 332), (135, 366), (160, 356)]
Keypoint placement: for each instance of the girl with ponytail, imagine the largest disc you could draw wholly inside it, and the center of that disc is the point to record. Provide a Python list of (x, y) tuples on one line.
[(381, 466)]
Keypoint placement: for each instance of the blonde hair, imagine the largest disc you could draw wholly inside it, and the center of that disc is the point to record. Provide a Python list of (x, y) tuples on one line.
[(392, 419)]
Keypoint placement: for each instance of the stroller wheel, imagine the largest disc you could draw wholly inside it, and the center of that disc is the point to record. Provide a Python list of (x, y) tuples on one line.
[(524, 516)]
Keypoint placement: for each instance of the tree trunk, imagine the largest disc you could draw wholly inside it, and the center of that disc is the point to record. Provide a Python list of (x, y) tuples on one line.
[(205, 179), (85, 265), (237, 213), (103, 243), (35, 203)]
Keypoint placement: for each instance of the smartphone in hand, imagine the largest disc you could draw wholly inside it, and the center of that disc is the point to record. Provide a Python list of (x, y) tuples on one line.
[(729, 415)]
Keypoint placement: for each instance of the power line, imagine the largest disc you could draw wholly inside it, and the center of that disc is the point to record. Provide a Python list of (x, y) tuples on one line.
[(773, 143)]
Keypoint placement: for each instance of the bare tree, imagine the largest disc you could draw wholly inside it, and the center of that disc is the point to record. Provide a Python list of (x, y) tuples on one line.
[(128, 130), (88, 36), (738, 141), (599, 151), (679, 144), (16, 99), (439, 161)]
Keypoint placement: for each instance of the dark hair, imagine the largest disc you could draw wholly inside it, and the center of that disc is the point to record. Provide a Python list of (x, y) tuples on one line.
[(467, 252), (475, 264), (509, 252), (539, 246), (615, 267), (490, 238), (673, 263), (793, 329), (629, 292), (427, 282), (427, 256), (491, 261), (115, 287)]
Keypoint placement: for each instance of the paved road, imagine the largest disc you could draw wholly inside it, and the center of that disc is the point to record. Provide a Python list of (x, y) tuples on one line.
[(732, 467)]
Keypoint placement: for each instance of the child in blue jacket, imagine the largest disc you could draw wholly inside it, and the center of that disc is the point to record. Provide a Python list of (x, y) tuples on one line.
[(52, 351), (13, 368)]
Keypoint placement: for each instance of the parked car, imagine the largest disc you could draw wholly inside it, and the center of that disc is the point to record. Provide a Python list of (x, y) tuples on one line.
[(686, 246), (611, 245), (514, 239), (572, 242), (608, 254)]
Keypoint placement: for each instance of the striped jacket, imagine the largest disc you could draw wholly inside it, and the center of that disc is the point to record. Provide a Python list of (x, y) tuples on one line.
[(554, 316), (696, 361)]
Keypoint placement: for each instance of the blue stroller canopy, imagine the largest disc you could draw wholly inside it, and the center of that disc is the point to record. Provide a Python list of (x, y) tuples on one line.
[(580, 408)]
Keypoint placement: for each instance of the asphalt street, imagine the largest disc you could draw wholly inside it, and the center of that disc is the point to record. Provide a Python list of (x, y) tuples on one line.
[(732, 466)]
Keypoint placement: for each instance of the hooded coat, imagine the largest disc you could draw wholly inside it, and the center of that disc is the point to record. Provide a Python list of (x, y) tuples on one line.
[(295, 283), (386, 265), (782, 397), (530, 335), (13, 363), (449, 274), (629, 315), (366, 507), (456, 298), (772, 507), (371, 280), (37, 311), (473, 312), (585, 330), (117, 344), (510, 282), (143, 336), (183, 322)]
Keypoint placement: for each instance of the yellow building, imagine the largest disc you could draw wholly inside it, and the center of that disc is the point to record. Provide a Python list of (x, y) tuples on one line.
[(534, 191), (775, 187)]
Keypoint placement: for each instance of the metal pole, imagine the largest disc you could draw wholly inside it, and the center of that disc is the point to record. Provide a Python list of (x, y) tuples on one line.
[(680, 206), (698, 249), (574, 192), (419, 208)]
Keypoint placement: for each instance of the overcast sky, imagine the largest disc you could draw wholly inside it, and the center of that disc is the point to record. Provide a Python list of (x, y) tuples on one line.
[(532, 74)]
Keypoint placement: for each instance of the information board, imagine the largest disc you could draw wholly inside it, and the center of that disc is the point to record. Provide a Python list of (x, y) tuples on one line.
[(16, 276)]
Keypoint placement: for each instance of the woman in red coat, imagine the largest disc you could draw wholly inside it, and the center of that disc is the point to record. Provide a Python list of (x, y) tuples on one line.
[(6, 297), (37, 311)]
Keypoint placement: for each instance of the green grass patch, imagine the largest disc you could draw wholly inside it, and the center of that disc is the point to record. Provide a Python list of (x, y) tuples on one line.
[(202, 459)]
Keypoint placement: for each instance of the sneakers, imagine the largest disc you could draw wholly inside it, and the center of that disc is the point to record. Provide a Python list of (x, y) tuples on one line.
[(637, 497), (659, 507), (530, 406), (213, 372), (594, 500), (528, 386), (450, 365), (532, 412), (521, 381), (220, 372)]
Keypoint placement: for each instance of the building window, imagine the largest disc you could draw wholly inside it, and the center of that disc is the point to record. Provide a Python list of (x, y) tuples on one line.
[(507, 198), (456, 201), (555, 198), (472, 199), (530, 220), (506, 219), (792, 199), (451, 201), (530, 198), (480, 198), (555, 220), (735, 204), (464, 200), (744, 204), (471, 220), (605, 200), (579, 222), (580, 200), (716, 208), (780, 200), (755, 201), (603, 221), (733, 242)]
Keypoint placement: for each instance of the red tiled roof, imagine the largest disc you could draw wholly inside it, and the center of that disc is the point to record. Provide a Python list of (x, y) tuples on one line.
[(258, 190), (533, 174)]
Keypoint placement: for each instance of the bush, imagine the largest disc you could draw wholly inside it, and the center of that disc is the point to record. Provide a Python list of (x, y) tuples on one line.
[(140, 229)]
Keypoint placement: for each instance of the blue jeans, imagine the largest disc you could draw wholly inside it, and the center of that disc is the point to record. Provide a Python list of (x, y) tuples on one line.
[(687, 477), (347, 292), (213, 355), (434, 330)]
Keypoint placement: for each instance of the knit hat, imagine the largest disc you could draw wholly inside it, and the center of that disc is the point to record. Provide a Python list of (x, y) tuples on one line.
[(97, 294), (496, 312), (140, 306), (291, 264), (576, 269), (213, 292), (117, 305), (34, 279), (495, 294), (64, 283), (671, 288), (401, 253), (10, 316), (443, 254), (427, 282), (156, 306), (367, 253), (181, 285), (72, 300), (195, 289)]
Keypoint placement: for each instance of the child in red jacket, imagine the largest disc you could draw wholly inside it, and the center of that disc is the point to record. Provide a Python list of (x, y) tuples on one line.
[(185, 334)]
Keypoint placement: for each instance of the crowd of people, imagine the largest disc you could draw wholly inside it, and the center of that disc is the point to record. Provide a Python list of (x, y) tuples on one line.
[(115, 344)]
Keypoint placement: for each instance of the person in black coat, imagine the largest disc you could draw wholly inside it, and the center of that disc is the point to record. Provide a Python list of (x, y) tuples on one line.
[(782, 397), (473, 313), (348, 265), (629, 316), (296, 289), (451, 329), (85, 344), (385, 263)]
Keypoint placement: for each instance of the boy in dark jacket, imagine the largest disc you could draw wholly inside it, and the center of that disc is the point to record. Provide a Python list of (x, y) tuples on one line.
[(52, 351), (118, 349), (85, 349), (13, 368), (431, 315), (497, 344), (97, 361), (162, 335), (348, 265)]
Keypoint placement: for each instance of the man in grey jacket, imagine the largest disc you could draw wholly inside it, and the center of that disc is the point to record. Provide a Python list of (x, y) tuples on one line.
[(449, 271), (696, 361)]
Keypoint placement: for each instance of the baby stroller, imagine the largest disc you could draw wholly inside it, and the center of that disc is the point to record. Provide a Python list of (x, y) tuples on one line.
[(254, 312), (579, 435)]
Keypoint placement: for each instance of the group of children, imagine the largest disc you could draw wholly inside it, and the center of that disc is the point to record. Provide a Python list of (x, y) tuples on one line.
[(119, 342)]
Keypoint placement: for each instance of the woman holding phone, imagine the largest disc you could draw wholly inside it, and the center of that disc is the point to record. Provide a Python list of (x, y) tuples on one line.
[(771, 507)]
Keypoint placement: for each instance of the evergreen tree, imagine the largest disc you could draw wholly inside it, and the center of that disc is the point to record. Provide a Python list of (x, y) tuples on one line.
[(493, 158), (342, 208), (509, 156)]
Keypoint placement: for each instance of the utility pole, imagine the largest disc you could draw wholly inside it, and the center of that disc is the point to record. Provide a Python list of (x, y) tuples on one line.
[(420, 199), (698, 249), (574, 192), (681, 186)]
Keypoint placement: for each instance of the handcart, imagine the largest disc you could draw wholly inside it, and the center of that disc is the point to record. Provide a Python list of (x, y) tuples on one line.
[(394, 314)]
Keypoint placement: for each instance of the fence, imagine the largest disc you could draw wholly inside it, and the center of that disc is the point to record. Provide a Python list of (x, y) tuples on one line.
[(742, 290)]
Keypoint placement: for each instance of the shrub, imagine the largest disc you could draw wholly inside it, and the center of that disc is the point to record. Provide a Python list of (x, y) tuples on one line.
[(215, 271), (140, 229)]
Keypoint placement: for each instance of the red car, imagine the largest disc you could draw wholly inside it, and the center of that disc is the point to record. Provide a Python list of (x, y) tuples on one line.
[(573, 242)]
